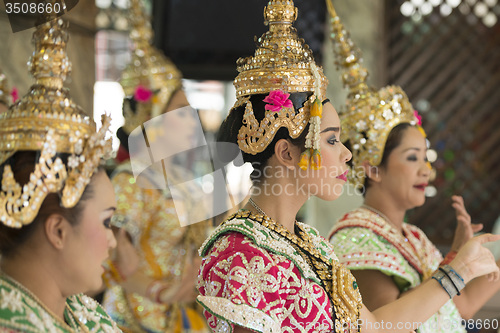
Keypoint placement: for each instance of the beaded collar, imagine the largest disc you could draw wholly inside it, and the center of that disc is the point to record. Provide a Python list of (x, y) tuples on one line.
[(22, 311), (407, 240)]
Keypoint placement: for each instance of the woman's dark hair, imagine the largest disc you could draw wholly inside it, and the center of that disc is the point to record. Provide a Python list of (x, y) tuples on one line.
[(123, 137), (22, 164), (120, 133), (228, 131), (393, 140)]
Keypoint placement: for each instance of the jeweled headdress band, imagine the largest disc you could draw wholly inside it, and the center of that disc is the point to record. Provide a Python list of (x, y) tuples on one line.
[(369, 115), (47, 120), (282, 64), (149, 69)]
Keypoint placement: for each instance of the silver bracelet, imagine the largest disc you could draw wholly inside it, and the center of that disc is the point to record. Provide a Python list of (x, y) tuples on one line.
[(455, 278), (445, 282)]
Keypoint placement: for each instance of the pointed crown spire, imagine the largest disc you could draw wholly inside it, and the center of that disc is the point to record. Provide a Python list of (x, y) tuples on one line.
[(369, 115), (149, 69), (47, 120)]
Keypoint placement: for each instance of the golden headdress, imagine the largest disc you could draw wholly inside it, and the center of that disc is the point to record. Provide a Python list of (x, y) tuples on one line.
[(282, 64), (369, 115), (4, 89), (47, 120), (149, 70)]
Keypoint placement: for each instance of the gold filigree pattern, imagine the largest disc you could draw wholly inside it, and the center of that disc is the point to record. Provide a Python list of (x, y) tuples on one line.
[(347, 296), (47, 120), (254, 137), (337, 280), (283, 62)]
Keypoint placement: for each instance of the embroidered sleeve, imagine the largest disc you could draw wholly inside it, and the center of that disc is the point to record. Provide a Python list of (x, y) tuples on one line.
[(360, 248), (240, 285), (86, 310)]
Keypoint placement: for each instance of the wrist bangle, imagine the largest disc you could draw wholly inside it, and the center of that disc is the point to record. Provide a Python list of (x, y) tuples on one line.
[(456, 279), (445, 282), (448, 258)]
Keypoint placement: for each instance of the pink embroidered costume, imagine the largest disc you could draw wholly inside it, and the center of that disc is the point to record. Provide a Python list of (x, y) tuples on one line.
[(257, 274), (252, 277)]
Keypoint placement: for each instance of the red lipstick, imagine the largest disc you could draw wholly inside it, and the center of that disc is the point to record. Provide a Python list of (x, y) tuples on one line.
[(343, 176)]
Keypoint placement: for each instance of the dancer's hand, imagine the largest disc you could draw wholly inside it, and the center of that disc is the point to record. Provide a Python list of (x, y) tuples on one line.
[(475, 260), (465, 228)]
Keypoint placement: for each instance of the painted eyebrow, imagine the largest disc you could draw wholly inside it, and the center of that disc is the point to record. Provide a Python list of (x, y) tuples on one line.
[(412, 148), (334, 129)]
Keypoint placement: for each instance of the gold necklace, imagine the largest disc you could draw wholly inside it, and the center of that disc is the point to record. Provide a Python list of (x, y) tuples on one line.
[(72, 328), (338, 282), (426, 271), (257, 207)]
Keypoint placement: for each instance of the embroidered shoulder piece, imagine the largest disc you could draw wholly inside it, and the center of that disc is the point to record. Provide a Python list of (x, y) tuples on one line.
[(261, 236), (407, 247), (361, 248), (89, 312), (20, 311), (321, 243)]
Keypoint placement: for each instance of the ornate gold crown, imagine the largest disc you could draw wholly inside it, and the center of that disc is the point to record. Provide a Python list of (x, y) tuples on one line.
[(47, 120), (4, 89), (282, 62), (149, 68), (369, 115)]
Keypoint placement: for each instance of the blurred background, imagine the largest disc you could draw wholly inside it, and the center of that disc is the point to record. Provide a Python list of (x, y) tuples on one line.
[(444, 53)]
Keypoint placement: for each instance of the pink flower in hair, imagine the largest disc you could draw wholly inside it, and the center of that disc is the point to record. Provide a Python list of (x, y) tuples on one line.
[(15, 95), (142, 94), (277, 100), (419, 117)]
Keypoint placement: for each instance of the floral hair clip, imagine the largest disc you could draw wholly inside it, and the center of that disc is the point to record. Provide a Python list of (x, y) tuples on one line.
[(147, 106), (277, 100), (418, 123), (149, 100), (142, 94), (14, 94), (418, 117)]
